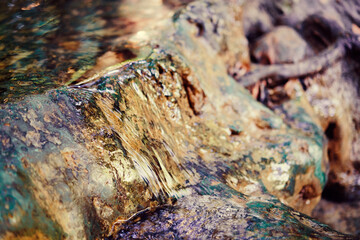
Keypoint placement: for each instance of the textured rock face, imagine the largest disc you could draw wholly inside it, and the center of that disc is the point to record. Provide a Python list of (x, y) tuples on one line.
[(336, 101), (212, 217), (166, 146), (335, 98)]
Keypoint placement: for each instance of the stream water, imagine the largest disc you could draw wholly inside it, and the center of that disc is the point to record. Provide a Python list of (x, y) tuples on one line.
[(49, 43)]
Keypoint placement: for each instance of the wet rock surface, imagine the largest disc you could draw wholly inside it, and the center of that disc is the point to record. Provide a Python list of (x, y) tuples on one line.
[(166, 145), (47, 44), (221, 219)]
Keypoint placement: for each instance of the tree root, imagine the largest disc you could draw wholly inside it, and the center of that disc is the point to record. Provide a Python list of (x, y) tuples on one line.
[(278, 72)]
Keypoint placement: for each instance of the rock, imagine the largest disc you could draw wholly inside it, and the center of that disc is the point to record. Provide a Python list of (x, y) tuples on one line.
[(230, 218), (166, 146), (281, 45), (256, 20), (176, 3), (335, 98), (343, 217)]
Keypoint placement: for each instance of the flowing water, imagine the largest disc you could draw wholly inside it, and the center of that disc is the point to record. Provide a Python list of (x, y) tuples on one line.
[(47, 44)]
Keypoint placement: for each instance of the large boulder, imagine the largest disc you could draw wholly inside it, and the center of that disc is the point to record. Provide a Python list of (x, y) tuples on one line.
[(166, 146)]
